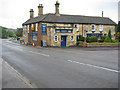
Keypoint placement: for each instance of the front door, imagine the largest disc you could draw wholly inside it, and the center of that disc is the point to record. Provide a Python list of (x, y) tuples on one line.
[(63, 41)]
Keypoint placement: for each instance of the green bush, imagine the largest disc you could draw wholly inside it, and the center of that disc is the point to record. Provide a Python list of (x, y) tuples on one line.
[(107, 39), (80, 38), (102, 38), (91, 39), (80, 42), (88, 39), (115, 41)]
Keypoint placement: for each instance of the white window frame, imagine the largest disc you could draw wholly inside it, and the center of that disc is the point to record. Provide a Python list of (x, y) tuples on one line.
[(24, 28), (28, 27), (32, 25), (36, 28), (56, 38), (76, 26), (92, 27), (101, 28), (72, 38)]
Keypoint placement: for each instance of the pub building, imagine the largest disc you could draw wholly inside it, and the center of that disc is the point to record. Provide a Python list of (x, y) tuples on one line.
[(62, 30)]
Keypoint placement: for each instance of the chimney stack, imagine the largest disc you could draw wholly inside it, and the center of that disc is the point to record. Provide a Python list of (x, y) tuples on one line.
[(102, 13), (57, 8), (40, 10), (31, 13)]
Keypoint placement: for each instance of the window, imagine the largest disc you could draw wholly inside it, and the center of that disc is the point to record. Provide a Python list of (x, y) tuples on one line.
[(72, 38), (24, 28), (101, 28), (36, 27), (28, 28), (32, 26), (56, 38), (77, 27), (93, 27)]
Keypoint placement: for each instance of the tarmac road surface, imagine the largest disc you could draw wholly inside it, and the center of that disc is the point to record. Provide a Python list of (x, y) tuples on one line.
[(63, 68)]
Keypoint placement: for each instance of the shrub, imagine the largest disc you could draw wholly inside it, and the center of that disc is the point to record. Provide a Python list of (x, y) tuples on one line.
[(79, 42), (109, 34), (102, 38), (91, 39), (107, 39), (115, 41), (80, 38), (118, 36), (88, 39)]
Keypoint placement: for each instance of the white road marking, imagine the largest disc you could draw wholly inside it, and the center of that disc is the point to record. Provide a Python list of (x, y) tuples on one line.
[(39, 53), (112, 70)]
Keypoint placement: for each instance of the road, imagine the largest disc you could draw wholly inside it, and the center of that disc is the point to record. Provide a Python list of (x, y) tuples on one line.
[(63, 68)]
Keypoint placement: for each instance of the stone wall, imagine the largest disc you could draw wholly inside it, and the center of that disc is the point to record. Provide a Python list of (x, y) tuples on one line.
[(51, 27)]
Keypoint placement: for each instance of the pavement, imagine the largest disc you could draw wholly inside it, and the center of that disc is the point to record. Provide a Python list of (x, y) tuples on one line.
[(60, 67), (9, 77)]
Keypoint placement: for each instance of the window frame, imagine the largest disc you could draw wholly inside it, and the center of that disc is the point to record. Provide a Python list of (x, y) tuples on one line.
[(72, 38), (101, 28), (92, 27), (56, 38), (36, 27)]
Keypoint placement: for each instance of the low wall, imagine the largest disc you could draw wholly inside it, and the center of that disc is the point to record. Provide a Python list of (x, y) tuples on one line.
[(101, 45)]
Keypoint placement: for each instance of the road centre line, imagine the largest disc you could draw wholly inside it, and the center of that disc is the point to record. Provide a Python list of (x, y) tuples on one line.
[(91, 65), (39, 53)]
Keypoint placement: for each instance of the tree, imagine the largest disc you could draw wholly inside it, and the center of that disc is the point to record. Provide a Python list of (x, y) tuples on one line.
[(19, 33), (107, 39), (116, 27), (4, 32), (118, 30), (10, 33), (109, 34)]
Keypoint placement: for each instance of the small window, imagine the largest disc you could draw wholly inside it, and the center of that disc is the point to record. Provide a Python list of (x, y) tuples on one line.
[(28, 27), (56, 38), (93, 27), (32, 27), (72, 38), (77, 27), (36, 27), (101, 28)]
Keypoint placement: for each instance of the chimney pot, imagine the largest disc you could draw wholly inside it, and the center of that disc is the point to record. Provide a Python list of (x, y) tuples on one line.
[(31, 13), (57, 8), (102, 13), (40, 10)]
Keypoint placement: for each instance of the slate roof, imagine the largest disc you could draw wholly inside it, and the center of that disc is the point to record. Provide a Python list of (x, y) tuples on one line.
[(70, 19)]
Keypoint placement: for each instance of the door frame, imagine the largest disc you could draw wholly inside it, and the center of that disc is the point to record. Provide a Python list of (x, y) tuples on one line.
[(65, 42)]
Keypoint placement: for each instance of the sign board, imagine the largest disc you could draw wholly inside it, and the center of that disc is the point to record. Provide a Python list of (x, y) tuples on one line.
[(44, 43), (63, 31), (44, 29), (35, 36)]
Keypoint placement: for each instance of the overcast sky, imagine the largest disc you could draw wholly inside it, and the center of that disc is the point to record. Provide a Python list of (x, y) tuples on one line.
[(15, 12)]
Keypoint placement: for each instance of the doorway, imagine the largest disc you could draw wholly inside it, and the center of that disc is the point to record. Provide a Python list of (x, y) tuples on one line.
[(63, 41)]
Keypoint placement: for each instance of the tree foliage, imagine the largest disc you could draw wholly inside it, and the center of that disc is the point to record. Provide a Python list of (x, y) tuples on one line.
[(107, 39), (109, 34), (19, 33), (118, 30), (3, 32), (10, 33)]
